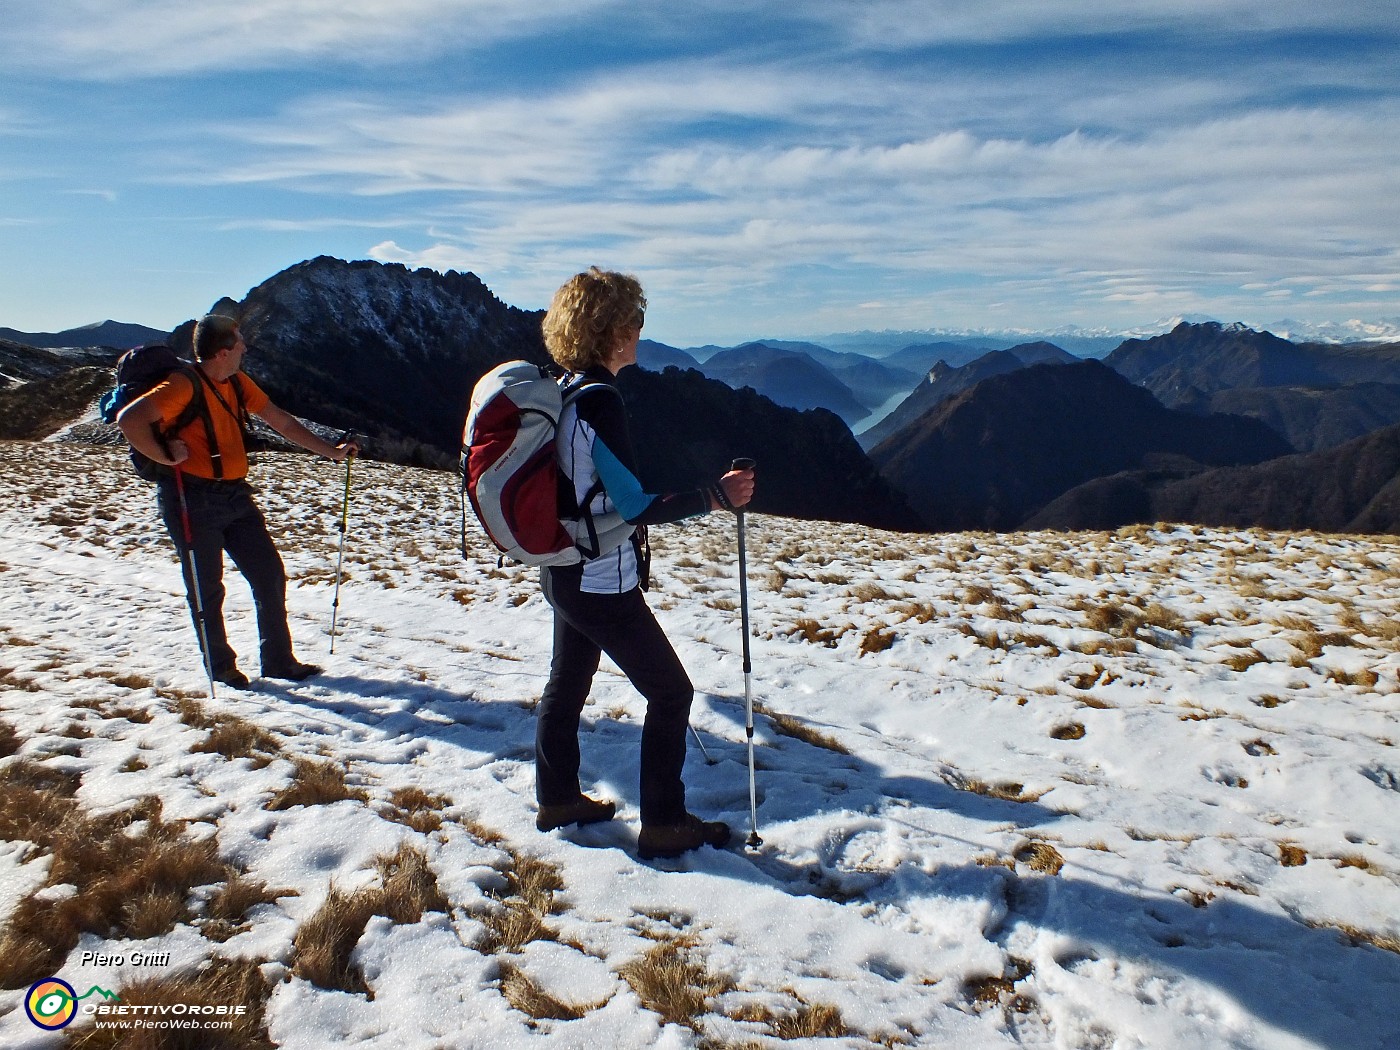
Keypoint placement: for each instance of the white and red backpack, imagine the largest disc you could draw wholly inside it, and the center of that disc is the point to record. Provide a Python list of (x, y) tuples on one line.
[(511, 473)]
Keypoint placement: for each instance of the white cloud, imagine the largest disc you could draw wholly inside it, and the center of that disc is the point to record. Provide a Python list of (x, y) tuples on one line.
[(809, 173), (906, 23), (117, 39), (616, 168)]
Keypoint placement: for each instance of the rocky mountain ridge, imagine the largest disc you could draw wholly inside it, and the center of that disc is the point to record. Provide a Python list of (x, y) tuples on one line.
[(393, 353)]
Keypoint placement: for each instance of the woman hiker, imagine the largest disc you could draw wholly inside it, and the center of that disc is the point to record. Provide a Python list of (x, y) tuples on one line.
[(591, 329)]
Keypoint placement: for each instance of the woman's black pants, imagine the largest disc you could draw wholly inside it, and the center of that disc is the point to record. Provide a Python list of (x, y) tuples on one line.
[(621, 625)]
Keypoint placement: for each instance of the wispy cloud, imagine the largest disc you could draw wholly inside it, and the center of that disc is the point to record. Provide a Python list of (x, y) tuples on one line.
[(904, 23), (625, 166), (117, 39), (931, 156)]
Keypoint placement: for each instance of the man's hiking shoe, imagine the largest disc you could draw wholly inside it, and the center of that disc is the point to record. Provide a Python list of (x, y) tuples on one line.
[(671, 840), (583, 810), (292, 671), (232, 677)]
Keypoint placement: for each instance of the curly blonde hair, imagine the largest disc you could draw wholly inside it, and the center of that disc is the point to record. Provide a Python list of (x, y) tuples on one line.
[(589, 314)]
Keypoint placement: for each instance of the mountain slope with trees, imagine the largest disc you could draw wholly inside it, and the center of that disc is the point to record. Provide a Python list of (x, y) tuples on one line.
[(1352, 488), (945, 381), (993, 455)]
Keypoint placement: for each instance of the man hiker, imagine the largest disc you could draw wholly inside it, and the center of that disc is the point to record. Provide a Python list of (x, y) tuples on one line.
[(207, 482)]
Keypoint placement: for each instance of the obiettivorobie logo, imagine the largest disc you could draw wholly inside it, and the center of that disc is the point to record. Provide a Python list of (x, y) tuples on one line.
[(52, 1003)]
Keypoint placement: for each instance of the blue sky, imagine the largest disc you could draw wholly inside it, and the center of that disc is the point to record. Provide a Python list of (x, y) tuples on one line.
[(766, 169)]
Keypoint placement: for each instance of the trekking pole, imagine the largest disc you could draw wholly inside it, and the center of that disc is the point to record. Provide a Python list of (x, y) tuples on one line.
[(708, 760), (753, 840), (344, 524), (193, 570)]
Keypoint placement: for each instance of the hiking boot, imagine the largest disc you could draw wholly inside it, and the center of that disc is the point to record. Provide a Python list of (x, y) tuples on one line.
[(293, 670), (582, 810), (671, 840), (232, 677)]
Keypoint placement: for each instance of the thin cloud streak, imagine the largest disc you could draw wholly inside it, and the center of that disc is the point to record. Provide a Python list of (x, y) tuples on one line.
[(994, 160), (904, 23), (1274, 189), (120, 39)]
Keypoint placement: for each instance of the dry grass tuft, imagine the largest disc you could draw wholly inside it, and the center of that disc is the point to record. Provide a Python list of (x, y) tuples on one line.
[(877, 640), (512, 926), (789, 726), (416, 809), (223, 982), (812, 631), (671, 983), (1245, 660), (226, 914), (525, 995), (1291, 855), (991, 860), (408, 886), (9, 740), (869, 591), (1115, 618), (324, 943), (1001, 988), (235, 737), (1007, 791), (517, 913), (1358, 861), (193, 713), (802, 1020), (131, 681), (11, 680), (1097, 675), (132, 870), (1097, 703), (315, 784), (1366, 678), (1041, 856), (1311, 644), (1357, 936)]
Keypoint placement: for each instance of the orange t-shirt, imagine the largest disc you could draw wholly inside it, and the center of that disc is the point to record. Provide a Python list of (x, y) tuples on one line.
[(172, 397)]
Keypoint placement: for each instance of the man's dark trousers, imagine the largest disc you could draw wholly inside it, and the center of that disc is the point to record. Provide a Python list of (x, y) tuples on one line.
[(223, 517)]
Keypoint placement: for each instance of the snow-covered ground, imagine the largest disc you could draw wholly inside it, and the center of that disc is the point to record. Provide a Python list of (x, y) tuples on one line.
[(1079, 790)]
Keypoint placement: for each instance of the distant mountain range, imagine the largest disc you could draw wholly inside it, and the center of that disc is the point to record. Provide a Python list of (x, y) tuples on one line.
[(991, 456), (798, 375), (394, 353), (945, 381), (1096, 342), (104, 333), (1204, 422)]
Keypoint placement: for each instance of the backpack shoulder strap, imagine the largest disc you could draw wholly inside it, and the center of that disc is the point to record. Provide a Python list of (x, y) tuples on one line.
[(573, 386), (244, 419), (198, 408)]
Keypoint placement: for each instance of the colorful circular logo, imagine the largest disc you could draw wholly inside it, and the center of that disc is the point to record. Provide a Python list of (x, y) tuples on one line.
[(51, 1003)]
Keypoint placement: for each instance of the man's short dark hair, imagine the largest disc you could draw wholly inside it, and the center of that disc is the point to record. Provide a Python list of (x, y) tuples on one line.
[(213, 333)]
